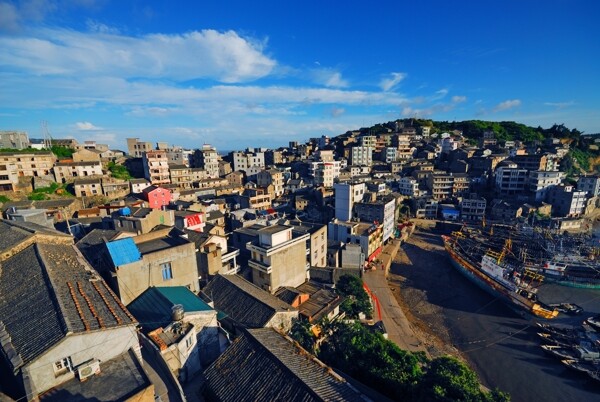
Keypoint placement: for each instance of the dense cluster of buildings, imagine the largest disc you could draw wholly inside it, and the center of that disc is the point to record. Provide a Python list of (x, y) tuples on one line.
[(205, 259)]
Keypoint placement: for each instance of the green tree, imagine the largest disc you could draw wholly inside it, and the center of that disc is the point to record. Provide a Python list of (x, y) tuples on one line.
[(357, 300), (61, 152), (119, 171), (302, 334)]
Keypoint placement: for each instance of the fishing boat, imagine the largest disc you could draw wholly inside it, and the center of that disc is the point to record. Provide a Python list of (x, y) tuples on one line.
[(582, 366), (493, 274), (594, 322), (568, 308), (584, 351)]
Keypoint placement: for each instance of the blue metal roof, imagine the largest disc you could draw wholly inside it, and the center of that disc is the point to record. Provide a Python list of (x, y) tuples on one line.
[(123, 251)]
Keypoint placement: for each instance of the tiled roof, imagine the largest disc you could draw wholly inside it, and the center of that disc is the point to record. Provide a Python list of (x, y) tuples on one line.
[(152, 308), (46, 292), (244, 302), (287, 294), (264, 365), (14, 232)]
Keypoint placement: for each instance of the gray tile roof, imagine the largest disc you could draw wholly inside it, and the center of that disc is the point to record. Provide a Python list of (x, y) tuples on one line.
[(244, 302), (14, 232), (48, 291), (264, 365)]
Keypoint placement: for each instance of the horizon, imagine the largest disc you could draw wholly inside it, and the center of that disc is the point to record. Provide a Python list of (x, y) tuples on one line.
[(263, 75)]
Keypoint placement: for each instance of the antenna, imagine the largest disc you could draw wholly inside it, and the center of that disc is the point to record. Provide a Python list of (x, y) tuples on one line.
[(46, 134)]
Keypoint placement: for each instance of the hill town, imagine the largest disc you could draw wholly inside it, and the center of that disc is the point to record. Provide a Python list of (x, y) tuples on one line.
[(158, 271)]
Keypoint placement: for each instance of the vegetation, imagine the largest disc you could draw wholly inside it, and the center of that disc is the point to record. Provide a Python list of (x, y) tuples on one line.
[(401, 375), (119, 171), (41, 193), (357, 300), (62, 152), (4, 199)]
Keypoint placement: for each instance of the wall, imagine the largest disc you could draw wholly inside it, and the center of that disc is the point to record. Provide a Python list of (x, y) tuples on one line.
[(103, 345), (134, 278)]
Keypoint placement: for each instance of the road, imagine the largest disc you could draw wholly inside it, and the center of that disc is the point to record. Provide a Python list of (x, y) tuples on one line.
[(398, 328)]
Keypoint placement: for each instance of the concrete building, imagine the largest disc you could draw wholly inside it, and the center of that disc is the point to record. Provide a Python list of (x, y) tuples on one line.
[(28, 164), (207, 158), (157, 258), (316, 245), (156, 197), (248, 161), (589, 184), (361, 156), (541, 181), (88, 187), (440, 184), (381, 210), (511, 179), (14, 139), (86, 155), (141, 220), (136, 148), (9, 176), (271, 177), (473, 208), (346, 194), (409, 187), (156, 167), (531, 162), (567, 201), (181, 176), (278, 258), (67, 171), (138, 185), (368, 235), (59, 319)]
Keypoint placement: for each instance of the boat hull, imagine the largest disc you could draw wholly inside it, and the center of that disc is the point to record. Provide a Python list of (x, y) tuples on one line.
[(514, 300)]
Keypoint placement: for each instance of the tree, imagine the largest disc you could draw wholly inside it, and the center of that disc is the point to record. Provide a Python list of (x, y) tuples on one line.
[(302, 334), (357, 300)]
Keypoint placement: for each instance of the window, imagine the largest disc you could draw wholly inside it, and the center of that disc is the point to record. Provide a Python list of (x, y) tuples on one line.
[(188, 342), (63, 365), (167, 273)]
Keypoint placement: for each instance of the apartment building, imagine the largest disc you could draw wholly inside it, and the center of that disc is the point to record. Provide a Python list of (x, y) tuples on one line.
[(181, 176), (14, 139), (361, 156), (567, 201), (248, 161), (67, 171), (531, 162), (28, 164), (207, 158), (408, 186), (316, 245), (511, 179), (136, 148), (589, 184), (380, 210), (271, 177), (368, 235), (156, 167), (346, 194), (473, 208), (278, 258), (540, 182)]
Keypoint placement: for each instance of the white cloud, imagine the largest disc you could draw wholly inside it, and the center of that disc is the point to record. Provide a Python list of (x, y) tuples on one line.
[(459, 99), (86, 126), (222, 56), (329, 78), (387, 84), (507, 104)]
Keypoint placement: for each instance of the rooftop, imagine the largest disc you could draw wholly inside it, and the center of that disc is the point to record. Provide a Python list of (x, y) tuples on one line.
[(293, 373), (120, 379)]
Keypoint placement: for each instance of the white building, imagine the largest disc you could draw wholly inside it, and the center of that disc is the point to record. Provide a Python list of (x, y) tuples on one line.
[(361, 156), (589, 184), (346, 194), (409, 186), (541, 181)]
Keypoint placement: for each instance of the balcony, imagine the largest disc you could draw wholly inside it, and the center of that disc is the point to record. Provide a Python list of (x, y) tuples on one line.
[(261, 266)]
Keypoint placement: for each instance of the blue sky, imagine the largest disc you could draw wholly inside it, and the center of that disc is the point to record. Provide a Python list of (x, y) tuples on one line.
[(237, 74)]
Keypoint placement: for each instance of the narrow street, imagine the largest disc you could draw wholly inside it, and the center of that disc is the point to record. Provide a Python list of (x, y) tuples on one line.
[(397, 326)]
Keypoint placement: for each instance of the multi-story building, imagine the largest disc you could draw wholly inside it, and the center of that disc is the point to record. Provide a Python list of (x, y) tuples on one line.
[(448, 145), (258, 198), (346, 194), (461, 185), (9, 176), (440, 184), (141, 220), (248, 161), (368, 235), (14, 139), (473, 208), (156, 167), (181, 176), (316, 245), (511, 179), (157, 258), (361, 156), (271, 177), (566, 201), (531, 162), (29, 164), (369, 141), (88, 187), (409, 186), (540, 182), (589, 184), (156, 197), (278, 258), (136, 148), (273, 157), (67, 171), (325, 173), (380, 210), (207, 158)]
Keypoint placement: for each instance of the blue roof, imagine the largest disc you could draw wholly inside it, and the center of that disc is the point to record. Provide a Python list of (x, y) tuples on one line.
[(123, 251), (152, 308)]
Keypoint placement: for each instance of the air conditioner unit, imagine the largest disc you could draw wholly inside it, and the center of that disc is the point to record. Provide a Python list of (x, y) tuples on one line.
[(88, 369)]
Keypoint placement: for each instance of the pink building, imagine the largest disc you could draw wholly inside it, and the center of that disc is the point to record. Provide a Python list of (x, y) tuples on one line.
[(157, 197)]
